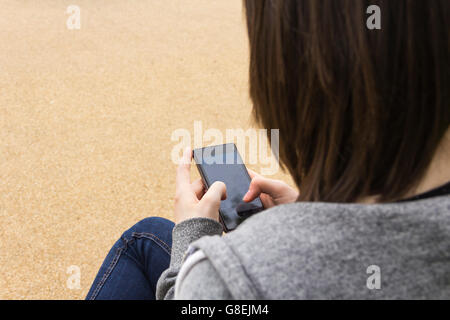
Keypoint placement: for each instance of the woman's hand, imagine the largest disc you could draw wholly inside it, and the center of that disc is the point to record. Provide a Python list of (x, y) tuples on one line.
[(272, 192), (191, 201)]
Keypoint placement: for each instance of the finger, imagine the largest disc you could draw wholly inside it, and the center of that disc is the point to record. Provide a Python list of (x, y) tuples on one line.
[(184, 170), (211, 199), (198, 187), (254, 190)]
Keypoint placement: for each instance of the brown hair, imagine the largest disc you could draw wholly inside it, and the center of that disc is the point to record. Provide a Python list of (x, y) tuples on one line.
[(360, 111)]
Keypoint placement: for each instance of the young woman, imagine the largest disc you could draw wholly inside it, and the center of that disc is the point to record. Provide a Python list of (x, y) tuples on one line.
[(364, 132)]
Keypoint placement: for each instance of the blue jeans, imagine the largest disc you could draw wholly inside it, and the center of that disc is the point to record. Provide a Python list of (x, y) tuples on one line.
[(133, 265)]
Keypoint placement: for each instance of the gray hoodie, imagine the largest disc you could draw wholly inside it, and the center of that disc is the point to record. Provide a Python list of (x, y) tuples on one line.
[(316, 251)]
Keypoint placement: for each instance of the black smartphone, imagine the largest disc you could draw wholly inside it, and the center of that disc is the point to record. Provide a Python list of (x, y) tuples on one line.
[(223, 163)]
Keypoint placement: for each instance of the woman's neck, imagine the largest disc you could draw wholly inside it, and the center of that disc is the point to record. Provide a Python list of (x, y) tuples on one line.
[(438, 172)]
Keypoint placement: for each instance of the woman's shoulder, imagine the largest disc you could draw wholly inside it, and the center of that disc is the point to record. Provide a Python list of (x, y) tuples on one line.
[(324, 246), (308, 214), (315, 229)]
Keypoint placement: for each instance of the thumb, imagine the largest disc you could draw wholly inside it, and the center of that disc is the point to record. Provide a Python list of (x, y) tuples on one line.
[(260, 185), (211, 199)]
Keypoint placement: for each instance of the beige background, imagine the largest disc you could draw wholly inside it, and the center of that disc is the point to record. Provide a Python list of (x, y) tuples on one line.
[(86, 118)]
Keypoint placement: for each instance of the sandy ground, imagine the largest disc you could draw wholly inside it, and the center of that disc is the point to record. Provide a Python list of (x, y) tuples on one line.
[(86, 118)]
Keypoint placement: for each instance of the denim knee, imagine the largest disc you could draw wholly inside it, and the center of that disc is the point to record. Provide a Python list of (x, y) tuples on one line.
[(150, 225)]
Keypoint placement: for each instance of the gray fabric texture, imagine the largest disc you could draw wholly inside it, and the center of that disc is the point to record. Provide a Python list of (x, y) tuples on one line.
[(317, 251)]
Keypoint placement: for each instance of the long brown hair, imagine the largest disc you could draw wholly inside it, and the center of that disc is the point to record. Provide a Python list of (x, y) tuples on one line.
[(360, 111)]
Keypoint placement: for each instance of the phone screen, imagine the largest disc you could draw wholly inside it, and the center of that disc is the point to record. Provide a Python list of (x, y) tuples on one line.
[(223, 163)]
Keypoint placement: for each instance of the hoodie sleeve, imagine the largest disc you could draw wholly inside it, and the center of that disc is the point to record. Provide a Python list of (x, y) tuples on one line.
[(183, 235), (199, 280)]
